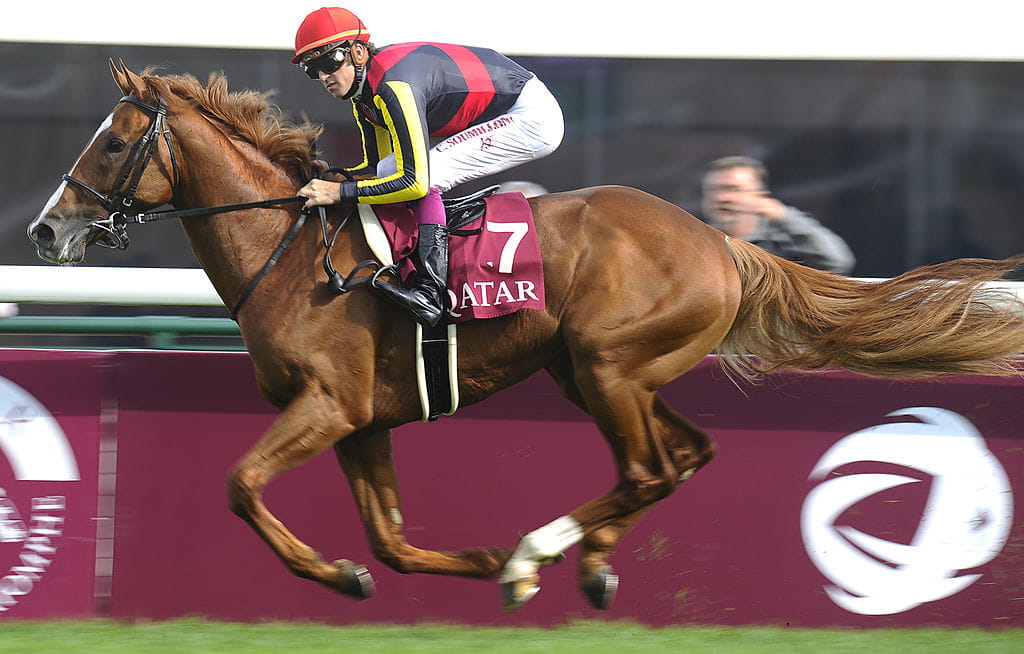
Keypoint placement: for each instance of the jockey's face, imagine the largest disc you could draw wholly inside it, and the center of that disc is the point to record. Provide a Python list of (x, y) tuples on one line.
[(339, 83)]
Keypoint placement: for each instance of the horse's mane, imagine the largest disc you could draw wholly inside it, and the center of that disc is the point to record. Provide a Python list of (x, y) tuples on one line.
[(248, 115)]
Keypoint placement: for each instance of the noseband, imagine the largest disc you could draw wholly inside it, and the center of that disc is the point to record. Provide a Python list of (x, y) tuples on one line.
[(114, 226)]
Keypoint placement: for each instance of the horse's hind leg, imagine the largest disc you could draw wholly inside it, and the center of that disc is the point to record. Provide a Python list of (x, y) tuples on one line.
[(689, 449), (308, 425), (654, 450), (367, 462)]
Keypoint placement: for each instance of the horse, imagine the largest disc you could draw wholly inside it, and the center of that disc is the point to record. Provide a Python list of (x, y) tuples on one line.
[(638, 292)]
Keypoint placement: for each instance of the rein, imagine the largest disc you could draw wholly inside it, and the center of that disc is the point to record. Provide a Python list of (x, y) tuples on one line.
[(115, 225)]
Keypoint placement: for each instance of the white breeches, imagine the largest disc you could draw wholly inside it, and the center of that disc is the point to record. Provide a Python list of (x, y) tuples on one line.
[(531, 129)]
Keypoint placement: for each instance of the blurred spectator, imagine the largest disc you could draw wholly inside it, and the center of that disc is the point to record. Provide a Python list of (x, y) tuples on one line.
[(736, 200), (8, 309), (529, 189)]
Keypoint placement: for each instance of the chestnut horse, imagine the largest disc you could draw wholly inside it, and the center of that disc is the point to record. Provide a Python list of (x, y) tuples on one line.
[(638, 292)]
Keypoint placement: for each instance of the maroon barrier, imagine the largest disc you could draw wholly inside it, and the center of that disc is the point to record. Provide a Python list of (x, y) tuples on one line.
[(820, 509), (53, 531)]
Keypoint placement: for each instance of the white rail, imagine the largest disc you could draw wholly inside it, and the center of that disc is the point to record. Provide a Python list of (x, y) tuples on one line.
[(147, 286), (97, 285)]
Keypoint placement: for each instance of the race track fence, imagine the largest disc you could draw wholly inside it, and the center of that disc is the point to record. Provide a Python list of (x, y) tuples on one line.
[(100, 286), (69, 285)]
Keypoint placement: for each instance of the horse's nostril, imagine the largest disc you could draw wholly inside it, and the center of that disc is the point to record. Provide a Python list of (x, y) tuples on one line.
[(42, 235)]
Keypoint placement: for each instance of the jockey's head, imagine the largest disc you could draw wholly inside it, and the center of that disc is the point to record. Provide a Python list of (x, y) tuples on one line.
[(325, 42)]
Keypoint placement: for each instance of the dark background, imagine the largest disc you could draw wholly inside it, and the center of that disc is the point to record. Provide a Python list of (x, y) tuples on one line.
[(911, 162)]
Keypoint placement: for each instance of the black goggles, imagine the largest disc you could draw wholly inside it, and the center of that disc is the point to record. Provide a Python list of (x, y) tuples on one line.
[(328, 62)]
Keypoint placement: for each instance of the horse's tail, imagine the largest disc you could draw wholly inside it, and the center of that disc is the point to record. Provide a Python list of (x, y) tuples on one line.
[(929, 322)]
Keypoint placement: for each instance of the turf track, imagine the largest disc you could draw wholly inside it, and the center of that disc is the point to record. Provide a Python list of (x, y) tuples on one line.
[(201, 637)]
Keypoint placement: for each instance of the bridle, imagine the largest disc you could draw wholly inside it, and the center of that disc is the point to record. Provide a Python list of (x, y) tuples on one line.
[(114, 226)]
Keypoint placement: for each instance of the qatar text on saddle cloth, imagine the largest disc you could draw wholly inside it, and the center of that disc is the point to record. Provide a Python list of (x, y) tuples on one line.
[(494, 273)]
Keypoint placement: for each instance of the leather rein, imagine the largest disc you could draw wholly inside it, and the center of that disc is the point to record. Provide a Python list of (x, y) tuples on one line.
[(114, 226)]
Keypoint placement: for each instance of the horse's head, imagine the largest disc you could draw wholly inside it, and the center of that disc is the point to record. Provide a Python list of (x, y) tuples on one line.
[(128, 167)]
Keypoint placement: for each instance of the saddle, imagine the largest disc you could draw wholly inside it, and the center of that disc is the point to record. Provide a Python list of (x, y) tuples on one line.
[(462, 211), (459, 212)]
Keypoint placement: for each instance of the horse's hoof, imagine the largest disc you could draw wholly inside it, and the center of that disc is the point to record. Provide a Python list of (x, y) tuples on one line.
[(600, 589), (516, 593), (356, 581)]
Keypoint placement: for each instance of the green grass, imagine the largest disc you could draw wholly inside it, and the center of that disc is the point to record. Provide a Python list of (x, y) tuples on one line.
[(201, 637)]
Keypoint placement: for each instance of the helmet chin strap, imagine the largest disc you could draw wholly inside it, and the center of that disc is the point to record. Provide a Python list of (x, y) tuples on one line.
[(357, 84)]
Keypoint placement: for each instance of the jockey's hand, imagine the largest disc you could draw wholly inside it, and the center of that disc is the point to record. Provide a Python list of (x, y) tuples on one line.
[(320, 192)]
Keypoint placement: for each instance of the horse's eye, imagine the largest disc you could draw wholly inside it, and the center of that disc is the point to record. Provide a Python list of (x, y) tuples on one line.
[(115, 145)]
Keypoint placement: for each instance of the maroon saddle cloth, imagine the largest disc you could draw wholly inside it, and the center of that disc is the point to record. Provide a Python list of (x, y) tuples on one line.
[(494, 262)]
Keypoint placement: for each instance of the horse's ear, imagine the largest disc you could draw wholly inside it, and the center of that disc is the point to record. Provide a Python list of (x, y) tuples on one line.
[(128, 81), (119, 77)]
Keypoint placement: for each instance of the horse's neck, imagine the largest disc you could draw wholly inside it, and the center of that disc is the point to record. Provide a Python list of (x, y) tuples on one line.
[(231, 247)]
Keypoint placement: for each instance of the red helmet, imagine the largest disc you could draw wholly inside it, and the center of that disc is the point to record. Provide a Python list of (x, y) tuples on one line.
[(328, 25)]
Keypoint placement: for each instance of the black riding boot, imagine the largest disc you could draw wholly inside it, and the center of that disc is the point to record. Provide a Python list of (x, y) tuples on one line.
[(427, 299)]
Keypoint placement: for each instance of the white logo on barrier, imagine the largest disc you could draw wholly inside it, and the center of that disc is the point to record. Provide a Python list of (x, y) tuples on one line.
[(37, 450), (965, 523)]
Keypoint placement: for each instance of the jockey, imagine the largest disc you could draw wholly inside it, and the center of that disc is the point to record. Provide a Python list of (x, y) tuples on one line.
[(431, 116)]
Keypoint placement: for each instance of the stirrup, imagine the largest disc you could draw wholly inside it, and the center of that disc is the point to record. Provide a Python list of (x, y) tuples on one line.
[(375, 281)]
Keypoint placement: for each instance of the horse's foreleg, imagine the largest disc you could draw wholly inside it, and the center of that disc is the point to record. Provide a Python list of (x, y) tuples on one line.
[(367, 462), (307, 426)]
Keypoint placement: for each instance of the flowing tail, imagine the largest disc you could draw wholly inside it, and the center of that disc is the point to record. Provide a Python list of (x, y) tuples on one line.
[(930, 322)]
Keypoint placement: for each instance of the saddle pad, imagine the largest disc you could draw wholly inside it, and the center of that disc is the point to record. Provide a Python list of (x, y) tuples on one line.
[(492, 273)]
